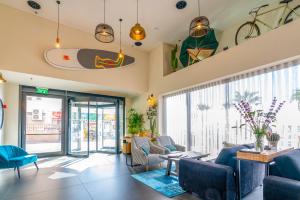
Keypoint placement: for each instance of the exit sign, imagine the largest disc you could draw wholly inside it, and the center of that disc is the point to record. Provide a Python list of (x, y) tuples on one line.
[(41, 90)]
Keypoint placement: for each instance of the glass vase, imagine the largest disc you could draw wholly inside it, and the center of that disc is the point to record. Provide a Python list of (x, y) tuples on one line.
[(259, 143)]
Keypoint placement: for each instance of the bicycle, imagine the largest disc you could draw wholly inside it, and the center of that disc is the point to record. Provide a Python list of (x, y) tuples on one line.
[(250, 29)]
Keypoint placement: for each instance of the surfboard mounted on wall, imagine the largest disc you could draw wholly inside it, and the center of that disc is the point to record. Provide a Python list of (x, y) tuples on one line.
[(78, 59)]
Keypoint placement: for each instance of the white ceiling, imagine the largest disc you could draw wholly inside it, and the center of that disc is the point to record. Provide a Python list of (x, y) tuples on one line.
[(162, 21), (60, 84)]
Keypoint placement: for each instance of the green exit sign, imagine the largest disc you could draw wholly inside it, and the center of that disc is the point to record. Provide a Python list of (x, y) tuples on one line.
[(41, 90)]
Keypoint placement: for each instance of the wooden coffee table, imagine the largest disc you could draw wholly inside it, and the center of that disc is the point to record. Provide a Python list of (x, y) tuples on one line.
[(175, 157)]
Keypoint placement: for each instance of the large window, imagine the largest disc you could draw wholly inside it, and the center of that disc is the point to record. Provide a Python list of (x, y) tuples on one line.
[(202, 118)]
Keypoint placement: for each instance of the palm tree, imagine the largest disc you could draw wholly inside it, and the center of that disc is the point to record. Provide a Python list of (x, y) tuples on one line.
[(250, 97), (296, 97)]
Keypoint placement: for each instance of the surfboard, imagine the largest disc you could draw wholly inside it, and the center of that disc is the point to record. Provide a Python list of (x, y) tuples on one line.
[(79, 59)]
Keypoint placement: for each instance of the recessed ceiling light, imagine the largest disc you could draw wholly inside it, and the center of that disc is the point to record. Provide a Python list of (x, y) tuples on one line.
[(138, 44), (181, 5), (34, 5)]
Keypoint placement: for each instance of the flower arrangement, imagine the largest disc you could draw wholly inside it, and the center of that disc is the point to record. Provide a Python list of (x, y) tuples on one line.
[(259, 121)]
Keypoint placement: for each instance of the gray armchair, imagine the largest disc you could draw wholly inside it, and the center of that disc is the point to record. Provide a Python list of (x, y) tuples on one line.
[(146, 159), (164, 141)]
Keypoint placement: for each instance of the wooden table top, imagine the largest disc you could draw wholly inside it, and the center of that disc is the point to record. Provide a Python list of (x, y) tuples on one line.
[(264, 157)]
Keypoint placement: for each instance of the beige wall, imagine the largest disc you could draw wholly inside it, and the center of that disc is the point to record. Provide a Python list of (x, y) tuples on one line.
[(2, 90), (25, 36), (274, 46), (11, 123)]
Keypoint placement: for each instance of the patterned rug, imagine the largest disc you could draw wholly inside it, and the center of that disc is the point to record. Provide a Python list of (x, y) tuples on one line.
[(157, 180)]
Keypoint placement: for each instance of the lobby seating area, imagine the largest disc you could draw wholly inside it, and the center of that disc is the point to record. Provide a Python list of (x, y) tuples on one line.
[(149, 100)]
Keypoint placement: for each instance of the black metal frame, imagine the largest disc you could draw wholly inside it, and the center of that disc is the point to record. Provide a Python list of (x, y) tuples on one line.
[(66, 96)]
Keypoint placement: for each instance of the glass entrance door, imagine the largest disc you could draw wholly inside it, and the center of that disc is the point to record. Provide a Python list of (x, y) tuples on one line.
[(43, 127), (93, 127), (107, 123), (79, 128)]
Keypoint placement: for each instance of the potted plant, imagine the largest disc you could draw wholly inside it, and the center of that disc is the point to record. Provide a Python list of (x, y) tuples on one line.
[(273, 140), (259, 121), (135, 122)]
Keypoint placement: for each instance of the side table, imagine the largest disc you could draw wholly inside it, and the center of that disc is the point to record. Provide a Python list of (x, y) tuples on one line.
[(265, 157)]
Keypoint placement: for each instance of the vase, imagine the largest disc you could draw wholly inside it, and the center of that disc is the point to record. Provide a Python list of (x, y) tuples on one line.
[(259, 143), (273, 144)]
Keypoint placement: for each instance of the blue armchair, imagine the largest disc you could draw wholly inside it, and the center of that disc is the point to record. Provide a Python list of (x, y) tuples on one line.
[(284, 180), (217, 180), (15, 157)]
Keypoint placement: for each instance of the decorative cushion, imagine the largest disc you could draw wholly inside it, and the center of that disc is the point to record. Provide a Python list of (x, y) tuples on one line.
[(288, 165), (171, 147), (228, 156), (145, 149)]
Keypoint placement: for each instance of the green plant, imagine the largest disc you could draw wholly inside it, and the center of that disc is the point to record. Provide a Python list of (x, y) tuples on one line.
[(174, 59), (296, 97), (135, 121)]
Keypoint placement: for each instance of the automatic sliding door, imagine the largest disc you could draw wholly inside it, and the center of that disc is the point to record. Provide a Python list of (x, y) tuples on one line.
[(79, 128), (107, 129)]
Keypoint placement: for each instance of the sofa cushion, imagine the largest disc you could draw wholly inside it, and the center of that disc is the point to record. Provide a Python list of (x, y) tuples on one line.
[(288, 165), (22, 160), (171, 147), (145, 149), (228, 156)]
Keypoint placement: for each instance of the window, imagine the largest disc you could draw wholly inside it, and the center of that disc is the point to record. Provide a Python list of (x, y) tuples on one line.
[(202, 118)]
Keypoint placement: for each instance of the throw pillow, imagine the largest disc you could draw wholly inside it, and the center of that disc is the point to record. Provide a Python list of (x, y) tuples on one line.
[(171, 147), (145, 149)]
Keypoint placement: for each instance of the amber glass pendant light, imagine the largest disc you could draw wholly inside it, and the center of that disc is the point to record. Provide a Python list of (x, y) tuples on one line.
[(57, 41), (137, 32)]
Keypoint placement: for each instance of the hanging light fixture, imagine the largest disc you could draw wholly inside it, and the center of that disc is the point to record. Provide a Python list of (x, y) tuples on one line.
[(121, 54), (137, 32), (104, 32), (199, 25), (57, 41), (2, 79)]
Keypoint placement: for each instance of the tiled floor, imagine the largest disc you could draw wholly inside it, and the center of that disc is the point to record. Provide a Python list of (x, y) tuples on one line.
[(102, 176)]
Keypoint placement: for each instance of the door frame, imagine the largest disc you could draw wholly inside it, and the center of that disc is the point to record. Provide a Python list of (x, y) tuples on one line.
[(114, 104), (23, 123), (66, 95)]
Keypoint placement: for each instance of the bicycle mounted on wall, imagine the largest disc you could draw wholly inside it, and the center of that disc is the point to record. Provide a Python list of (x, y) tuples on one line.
[(250, 29)]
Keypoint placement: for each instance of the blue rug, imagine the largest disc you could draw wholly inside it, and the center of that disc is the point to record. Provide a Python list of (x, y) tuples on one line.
[(157, 180)]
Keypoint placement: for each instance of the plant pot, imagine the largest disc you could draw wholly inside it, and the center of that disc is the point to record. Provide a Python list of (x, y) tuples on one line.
[(273, 144), (259, 143)]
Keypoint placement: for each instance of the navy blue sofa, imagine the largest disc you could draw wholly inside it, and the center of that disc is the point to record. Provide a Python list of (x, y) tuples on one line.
[(284, 180), (217, 180)]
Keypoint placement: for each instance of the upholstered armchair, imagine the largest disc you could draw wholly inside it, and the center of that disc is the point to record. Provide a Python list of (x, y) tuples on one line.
[(284, 179), (217, 180), (145, 153), (15, 157), (168, 144)]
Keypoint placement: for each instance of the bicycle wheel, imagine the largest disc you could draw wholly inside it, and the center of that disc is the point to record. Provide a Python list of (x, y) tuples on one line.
[(294, 14), (246, 31)]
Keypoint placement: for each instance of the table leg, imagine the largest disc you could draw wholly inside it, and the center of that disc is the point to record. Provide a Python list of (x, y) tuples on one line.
[(169, 166), (239, 193), (266, 169)]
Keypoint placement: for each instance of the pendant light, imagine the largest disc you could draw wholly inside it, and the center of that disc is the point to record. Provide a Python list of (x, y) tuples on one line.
[(121, 54), (57, 41), (2, 79), (137, 32), (199, 26), (104, 32)]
